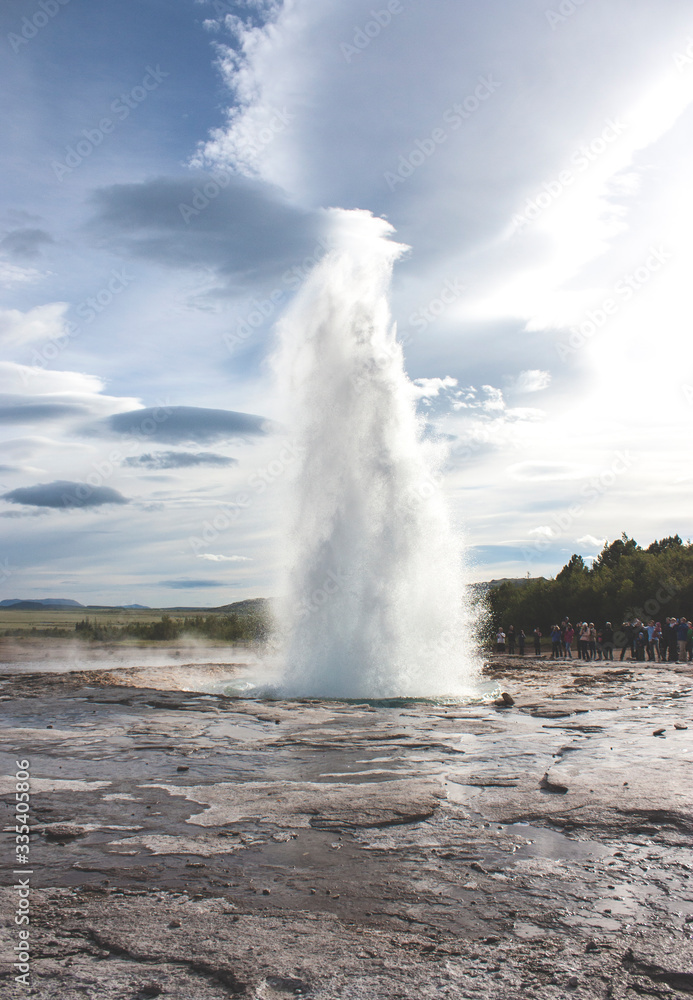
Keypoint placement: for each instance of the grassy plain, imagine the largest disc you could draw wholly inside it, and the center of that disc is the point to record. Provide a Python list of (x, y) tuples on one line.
[(67, 618)]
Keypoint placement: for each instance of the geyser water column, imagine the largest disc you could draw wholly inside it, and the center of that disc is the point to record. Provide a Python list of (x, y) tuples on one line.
[(373, 604)]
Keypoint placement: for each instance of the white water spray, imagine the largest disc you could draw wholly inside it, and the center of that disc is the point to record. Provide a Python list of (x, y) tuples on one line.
[(373, 603)]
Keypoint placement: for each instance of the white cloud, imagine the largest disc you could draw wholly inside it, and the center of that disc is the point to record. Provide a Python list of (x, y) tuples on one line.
[(427, 387), (591, 542), (260, 70), (543, 531), (532, 380), (44, 322), (210, 557), (15, 274), (22, 378)]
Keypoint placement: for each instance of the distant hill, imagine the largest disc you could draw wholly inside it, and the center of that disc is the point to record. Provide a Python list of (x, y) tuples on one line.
[(47, 602), (259, 604)]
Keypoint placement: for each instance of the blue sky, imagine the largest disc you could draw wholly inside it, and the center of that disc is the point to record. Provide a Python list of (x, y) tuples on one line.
[(166, 169)]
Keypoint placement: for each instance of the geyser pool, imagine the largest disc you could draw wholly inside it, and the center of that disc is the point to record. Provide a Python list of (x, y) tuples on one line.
[(373, 602)]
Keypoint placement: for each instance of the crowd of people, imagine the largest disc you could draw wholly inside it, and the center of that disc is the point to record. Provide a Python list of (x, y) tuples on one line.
[(653, 641)]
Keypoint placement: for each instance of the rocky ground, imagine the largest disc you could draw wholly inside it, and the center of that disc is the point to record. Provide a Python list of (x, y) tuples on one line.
[(190, 845)]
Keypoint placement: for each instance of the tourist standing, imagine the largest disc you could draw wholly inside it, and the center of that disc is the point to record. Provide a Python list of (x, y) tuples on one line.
[(556, 643), (682, 638), (511, 640), (657, 641), (521, 642), (670, 639), (568, 637), (608, 641), (640, 641), (627, 639), (500, 641), (650, 641), (537, 641), (583, 641)]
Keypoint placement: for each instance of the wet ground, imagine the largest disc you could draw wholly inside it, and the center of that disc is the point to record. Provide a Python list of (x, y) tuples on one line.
[(191, 845)]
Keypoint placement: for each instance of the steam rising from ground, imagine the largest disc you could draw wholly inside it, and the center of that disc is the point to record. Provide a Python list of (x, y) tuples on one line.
[(373, 603), (44, 656)]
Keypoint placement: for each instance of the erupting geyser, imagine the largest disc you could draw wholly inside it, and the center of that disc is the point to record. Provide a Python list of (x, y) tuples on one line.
[(374, 602)]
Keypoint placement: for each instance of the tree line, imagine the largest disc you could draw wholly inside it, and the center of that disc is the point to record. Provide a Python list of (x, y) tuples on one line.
[(249, 627), (624, 582)]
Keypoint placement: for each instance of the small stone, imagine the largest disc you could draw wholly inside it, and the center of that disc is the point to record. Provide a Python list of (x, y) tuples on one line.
[(63, 831), (659, 732), (265, 892), (572, 983), (182, 767), (680, 725), (148, 991), (174, 923), (312, 891), (475, 866), (553, 787)]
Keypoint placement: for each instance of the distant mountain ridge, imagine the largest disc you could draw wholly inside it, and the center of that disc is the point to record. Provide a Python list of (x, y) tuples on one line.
[(45, 602)]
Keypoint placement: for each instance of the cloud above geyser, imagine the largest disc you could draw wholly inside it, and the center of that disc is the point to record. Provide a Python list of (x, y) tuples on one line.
[(181, 424), (63, 493), (243, 229), (190, 584), (178, 460)]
